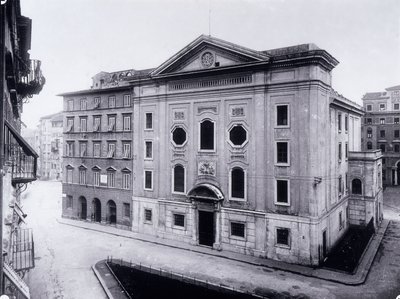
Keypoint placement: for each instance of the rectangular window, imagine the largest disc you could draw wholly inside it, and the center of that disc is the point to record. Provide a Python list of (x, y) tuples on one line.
[(382, 107), (346, 150), (369, 107), (83, 149), (127, 100), (69, 176), (396, 120), (127, 122), (345, 181), (382, 133), (346, 123), (111, 179), (149, 149), (282, 192), (396, 106), (282, 152), (340, 185), (82, 176), (111, 123), (127, 210), (96, 149), (148, 180), (111, 150), (70, 105), (282, 115), (282, 236), (96, 178), (83, 122), (148, 215), (396, 133), (149, 121), (340, 152), (70, 149), (111, 102), (83, 104), (369, 120), (69, 202), (127, 150), (70, 124), (237, 229), (340, 221), (96, 123), (126, 181), (340, 122), (382, 121), (179, 220), (382, 147), (96, 102)]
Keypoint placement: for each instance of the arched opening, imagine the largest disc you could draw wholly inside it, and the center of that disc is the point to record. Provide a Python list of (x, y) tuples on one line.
[(96, 204), (356, 186), (111, 212), (206, 135), (82, 212)]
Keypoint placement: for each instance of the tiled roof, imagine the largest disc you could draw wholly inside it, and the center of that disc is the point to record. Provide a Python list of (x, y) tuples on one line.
[(397, 87), (372, 95)]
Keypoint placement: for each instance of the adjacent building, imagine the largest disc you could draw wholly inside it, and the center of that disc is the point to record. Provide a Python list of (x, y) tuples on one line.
[(381, 130), (21, 77), (50, 146), (235, 149)]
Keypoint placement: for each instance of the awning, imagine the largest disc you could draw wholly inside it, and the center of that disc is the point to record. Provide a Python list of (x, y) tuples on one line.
[(21, 141), (16, 280), (19, 212), (206, 191)]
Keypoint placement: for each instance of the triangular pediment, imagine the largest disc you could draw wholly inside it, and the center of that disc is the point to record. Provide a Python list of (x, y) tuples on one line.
[(207, 53)]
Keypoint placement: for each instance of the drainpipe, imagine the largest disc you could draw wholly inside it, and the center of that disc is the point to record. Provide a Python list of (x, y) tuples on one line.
[(2, 91)]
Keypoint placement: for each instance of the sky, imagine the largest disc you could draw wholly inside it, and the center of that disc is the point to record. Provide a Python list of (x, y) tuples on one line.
[(76, 39)]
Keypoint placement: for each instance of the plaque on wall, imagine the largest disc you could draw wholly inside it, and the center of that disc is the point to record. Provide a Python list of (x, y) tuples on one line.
[(237, 111), (179, 115), (206, 168)]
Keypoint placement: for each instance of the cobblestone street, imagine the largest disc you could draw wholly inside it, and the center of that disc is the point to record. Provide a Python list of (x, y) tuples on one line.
[(65, 254)]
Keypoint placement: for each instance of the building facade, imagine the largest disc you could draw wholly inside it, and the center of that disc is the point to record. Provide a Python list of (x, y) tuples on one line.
[(97, 161), (381, 130), (243, 150), (21, 78), (50, 131)]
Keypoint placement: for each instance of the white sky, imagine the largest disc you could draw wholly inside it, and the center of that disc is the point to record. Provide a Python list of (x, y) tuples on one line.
[(76, 39)]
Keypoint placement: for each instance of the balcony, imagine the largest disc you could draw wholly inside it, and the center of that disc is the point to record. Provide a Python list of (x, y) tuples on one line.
[(20, 156), (32, 82)]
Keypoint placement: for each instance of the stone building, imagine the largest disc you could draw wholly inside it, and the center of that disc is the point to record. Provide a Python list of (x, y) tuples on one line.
[(50, 146), (97, 161), (239, 150), (21, 77), (381, 130)]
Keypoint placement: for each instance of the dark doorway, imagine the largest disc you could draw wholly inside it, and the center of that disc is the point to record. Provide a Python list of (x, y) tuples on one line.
[(206, 228), (96, 210), (398, 173), (112, 212), (83, 206), (323, 244)]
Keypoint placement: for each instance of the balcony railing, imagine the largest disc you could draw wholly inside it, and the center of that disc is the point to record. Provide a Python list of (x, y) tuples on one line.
[(32, 82)]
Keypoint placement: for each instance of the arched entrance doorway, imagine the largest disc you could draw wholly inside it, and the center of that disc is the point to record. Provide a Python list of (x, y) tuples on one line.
[(207, 200), (396, 174), (82, 213), (111, 212), (96, 204)]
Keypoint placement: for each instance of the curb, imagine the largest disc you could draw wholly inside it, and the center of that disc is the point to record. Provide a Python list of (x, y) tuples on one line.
[(353, 281), (102, 282)]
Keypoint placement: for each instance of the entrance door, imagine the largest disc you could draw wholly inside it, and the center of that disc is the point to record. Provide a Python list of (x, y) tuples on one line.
[(112, 212), (324, 244), (83, 209), (97, 210), (206, 228)]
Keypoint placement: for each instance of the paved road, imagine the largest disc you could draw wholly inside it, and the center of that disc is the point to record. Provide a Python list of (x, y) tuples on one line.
[(65, 255)]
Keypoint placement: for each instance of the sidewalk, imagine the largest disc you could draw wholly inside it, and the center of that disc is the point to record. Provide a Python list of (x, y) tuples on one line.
[(339, 277)]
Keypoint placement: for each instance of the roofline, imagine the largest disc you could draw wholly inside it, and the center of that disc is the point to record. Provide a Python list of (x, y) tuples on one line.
[(93, 90)]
